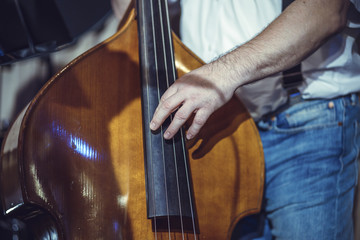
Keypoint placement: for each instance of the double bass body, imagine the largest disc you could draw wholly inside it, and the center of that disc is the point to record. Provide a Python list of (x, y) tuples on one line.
[(76, 153)]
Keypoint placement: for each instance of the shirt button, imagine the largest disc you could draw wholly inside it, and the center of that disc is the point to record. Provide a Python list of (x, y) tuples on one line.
[(331, 105)]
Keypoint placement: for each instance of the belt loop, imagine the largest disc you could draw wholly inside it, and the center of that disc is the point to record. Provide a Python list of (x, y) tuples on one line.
[(354, 98)]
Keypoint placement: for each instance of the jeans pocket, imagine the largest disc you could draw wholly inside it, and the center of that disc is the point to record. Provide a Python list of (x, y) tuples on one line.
[(307, 116)]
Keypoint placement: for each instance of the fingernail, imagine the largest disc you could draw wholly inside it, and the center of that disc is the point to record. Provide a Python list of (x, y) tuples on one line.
[(189, 136), (166, 135), (152, 126)]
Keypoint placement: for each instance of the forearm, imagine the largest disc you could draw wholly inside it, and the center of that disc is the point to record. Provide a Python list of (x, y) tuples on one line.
[(293, 36)]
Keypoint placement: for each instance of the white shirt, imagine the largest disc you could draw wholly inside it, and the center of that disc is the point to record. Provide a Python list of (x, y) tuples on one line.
[(213, 27)]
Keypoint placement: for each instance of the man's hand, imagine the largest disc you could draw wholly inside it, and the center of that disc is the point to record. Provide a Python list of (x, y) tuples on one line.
[(199, 92)]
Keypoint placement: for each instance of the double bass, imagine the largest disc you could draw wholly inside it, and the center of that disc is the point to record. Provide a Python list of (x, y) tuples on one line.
[(80, 161)]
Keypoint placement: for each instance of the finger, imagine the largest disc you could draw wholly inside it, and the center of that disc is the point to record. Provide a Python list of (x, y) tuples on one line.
[(179, 119), (165, 108), (201, 116), (169, 92)]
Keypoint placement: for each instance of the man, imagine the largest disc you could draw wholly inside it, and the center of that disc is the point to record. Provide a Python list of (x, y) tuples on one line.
[(311, 142)]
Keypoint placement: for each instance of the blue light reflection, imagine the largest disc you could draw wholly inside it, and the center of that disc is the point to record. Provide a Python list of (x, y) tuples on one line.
[(116, 226), (76, 143), (82, 147)]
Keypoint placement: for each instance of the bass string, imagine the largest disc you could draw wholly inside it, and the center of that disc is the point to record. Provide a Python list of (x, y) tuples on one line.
[(168, 85), (148, 107), (184, 151), (161, 129)]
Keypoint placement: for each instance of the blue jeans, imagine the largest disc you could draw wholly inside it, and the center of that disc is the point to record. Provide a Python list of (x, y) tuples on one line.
[(310, 151)]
